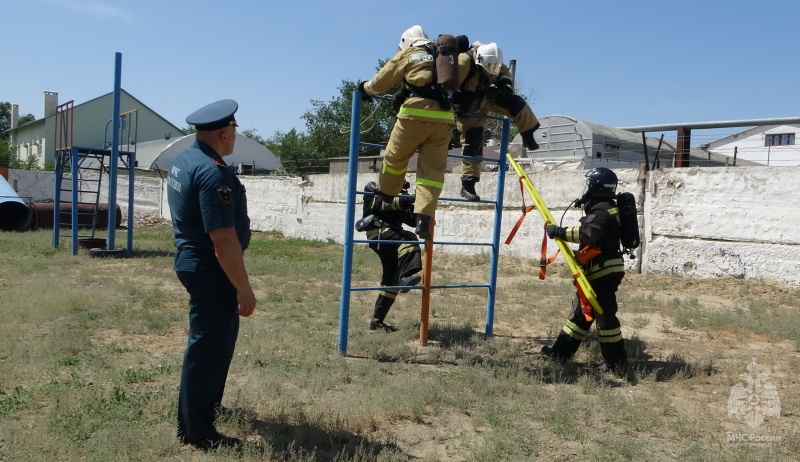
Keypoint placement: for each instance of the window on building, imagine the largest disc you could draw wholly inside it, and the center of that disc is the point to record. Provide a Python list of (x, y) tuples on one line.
[(779, 139)]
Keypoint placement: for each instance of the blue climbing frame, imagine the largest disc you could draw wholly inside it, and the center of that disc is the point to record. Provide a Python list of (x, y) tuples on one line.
[(349, 241)]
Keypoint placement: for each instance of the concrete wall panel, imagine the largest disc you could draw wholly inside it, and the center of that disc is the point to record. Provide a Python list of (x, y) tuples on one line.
[(741, 222)]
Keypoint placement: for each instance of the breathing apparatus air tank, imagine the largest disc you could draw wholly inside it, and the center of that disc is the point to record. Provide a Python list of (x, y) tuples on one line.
[(447, 62)]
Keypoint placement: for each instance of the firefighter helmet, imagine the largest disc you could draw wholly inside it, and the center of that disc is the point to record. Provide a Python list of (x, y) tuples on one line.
[(489, 57), (601, 182), (371, 187), (411, 35)]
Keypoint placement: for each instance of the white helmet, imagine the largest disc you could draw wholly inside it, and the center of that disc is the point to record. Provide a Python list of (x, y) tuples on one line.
[(411, 35), (489, 57)]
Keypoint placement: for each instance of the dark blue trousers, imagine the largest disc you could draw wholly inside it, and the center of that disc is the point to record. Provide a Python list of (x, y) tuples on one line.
[(213, 328)]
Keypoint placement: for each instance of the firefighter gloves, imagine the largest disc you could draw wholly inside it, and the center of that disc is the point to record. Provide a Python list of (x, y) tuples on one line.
[(364, 95), (554, 231)]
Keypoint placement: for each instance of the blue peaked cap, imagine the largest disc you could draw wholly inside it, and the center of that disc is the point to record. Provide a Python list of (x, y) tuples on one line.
[(214, 116)]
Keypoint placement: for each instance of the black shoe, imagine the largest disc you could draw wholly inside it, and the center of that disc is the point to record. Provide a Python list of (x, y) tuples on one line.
[(468, 188), (470, 195), (552, 354), (412, 280), (528, 141), (423, 228), (215, 441), (379, 325)]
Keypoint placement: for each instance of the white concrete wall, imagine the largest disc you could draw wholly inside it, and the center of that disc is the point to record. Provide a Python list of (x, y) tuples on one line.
[(35, 186), (742, 222), (738, 222)]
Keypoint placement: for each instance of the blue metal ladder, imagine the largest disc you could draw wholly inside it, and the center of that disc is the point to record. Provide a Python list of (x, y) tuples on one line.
[(349, 241)]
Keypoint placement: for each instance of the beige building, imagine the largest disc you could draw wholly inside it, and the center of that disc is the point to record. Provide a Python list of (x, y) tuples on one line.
[(91, 126)]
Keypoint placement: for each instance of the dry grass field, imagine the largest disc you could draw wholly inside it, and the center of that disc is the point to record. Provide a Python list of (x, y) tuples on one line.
[(90, 354)]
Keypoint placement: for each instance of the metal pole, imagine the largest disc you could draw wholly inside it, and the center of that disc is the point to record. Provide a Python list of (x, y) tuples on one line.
[(112, 168), (75, 188), (131, 178), (349, 222), (684, 141), (498, 220), (658, 150), (57, 195)]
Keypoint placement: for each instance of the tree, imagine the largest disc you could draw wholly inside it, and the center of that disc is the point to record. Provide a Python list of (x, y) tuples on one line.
[(293, 149), (328, 131), (24, 119), (252, 133), (6, 155), (328, 124), (5, 119), (8, 158)]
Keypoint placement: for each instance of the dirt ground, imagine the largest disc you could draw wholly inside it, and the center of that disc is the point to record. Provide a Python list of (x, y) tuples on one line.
[(700, 364)]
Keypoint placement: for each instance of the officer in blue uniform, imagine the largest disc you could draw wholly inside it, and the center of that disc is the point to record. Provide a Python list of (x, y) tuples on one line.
[(209, 217)]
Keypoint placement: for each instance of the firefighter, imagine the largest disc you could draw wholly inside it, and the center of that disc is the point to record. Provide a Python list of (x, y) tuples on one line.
[(424, 122), (401, 262), (487, 88), (599, 237)]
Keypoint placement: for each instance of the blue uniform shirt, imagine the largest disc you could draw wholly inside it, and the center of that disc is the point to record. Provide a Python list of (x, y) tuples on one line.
[(204, 195)]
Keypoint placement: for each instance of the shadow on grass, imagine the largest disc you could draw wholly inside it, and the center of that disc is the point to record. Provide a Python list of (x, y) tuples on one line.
[(642, 364), (462, 344), (449, 335), (295, 438)]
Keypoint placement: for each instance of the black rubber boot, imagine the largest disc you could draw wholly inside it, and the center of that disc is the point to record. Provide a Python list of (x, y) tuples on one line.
[(563, 349), (385, 197), (614, 354), (528, 141), (382, 305), (423, 228), (412, 280), (468, 188)]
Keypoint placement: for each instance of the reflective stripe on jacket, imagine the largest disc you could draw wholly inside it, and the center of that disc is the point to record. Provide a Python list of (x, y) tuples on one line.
[(600, 228)]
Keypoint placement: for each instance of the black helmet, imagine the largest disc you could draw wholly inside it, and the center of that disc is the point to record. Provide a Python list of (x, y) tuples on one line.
[(371, 187), (601, 182)]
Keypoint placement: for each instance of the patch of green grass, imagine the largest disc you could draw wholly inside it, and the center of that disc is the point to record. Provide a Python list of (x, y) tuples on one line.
[(640, 322), (91, 350)]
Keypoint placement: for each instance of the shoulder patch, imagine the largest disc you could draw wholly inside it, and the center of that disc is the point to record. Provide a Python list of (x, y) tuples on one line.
[(225, 194), (421, 55)]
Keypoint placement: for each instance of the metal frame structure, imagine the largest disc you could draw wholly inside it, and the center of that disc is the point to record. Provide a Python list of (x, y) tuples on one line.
[(426, 287), (79, 160)]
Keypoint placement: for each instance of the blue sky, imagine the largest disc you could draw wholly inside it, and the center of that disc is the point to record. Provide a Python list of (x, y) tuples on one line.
[(618, 63)]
